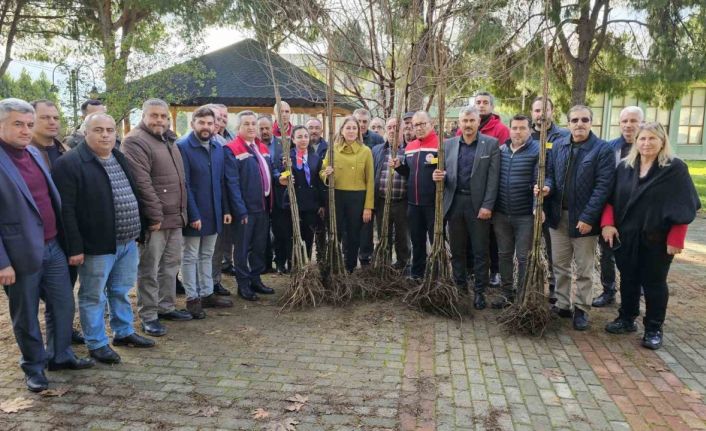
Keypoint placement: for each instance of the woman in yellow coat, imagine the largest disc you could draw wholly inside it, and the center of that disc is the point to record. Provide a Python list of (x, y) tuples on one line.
[(354, 180)]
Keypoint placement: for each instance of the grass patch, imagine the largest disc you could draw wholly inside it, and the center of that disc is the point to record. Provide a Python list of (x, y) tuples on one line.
[(697, 169)]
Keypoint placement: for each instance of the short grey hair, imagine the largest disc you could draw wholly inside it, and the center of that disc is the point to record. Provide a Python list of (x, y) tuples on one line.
[(424, 113), (467, 110), (633, 110), (314, 119), (239, 117), (265, 117), (576, 108), (14, 105), (92, 117), (361, 111), (154, 102)]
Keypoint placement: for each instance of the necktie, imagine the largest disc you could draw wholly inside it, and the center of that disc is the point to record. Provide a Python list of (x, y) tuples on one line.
[(264, 170), (303, 162)]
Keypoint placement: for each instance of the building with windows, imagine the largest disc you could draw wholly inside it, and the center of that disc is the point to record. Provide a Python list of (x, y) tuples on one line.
[(684, 122)]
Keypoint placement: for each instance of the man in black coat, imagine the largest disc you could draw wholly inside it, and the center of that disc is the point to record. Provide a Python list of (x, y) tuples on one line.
[(579, 179), (471, 176), (101, 223)]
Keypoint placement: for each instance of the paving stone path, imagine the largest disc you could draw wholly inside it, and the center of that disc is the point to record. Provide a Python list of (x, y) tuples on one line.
[(383, 367)]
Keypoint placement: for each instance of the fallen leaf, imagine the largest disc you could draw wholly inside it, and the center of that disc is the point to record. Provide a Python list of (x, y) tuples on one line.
[(295, 407), (206, 412), (691, 393), (213, 332), (289, 424), (298, 399), (260, 413), (58, 392), (656, 367), (14, 406)]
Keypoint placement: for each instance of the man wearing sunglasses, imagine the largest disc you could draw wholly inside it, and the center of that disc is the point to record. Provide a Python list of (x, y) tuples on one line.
[(579, 177)]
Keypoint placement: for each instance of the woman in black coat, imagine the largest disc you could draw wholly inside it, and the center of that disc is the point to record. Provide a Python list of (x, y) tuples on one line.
[(307, 185), (645, 223)]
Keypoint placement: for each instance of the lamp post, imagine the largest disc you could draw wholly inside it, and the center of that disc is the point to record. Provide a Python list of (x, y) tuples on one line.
[(73, 73)]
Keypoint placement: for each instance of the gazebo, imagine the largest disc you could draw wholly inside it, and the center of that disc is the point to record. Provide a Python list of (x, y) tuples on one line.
[(239, 77)]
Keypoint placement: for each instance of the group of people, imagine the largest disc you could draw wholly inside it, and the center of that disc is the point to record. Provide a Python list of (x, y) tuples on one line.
[(154, 208)]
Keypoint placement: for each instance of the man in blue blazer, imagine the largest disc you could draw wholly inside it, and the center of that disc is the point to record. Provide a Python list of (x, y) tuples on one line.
[(32, 262)]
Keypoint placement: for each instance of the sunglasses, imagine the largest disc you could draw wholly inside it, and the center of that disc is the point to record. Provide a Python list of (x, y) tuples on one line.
[(581, 119)]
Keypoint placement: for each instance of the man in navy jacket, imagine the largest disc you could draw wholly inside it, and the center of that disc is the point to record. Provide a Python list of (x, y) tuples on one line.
[(248, 170), (32, 262), (207, 211), (631, 117), (579, 179)]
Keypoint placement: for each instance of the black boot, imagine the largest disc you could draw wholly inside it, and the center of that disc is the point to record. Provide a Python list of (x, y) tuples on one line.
[(479, 301), (653, 335), (621, 326), (606, 298)]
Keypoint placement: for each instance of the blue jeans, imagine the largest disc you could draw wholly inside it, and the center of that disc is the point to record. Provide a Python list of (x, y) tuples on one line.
[(107, 277), (51, 284)]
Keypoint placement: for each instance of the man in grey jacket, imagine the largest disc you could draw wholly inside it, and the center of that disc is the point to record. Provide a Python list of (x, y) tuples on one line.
[(471, 178)]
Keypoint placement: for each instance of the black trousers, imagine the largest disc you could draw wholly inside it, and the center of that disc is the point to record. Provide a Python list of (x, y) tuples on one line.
[(421, 228), (548, 248), (464, 226), (349, 220), (399, 227), (282, 235), (644, 263), (365, 254), (607, 266)]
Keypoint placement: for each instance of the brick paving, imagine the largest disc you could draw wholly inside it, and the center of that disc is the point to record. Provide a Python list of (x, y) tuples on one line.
[(383, 367)]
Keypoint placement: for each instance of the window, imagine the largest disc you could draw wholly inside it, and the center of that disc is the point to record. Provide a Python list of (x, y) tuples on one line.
[(691, 117), (618, 104), (661, 116), (597, 108)]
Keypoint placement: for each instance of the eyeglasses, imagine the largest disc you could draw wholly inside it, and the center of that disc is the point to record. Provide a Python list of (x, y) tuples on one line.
[(418, 125), (582, 119)]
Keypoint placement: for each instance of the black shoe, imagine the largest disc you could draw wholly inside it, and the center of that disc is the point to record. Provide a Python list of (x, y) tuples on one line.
[(247, 294), (561, 312), (229, 270), (479, 301), (179, 287), (621, 326), (37, 382), (606, 298), (74, 364), (77, 337), (214, 301), (580, 319), (364, 262), (502, 302), (177, 315), (218, 289), (133, 340), (259, 287), (652, 339), (495, 279), (105, 354), (154, 328)]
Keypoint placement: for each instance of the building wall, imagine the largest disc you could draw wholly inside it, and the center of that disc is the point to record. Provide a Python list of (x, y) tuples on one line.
[(684, 122)]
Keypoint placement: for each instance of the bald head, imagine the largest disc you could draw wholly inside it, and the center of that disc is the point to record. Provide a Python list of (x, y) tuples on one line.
[(100, 133)]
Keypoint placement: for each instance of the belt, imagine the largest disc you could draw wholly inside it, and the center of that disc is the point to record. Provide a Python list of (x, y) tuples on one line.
[(463, 191)]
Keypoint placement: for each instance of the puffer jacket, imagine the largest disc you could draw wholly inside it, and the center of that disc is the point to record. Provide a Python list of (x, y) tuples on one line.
[(159, 176), (518, 172), (593, 181)]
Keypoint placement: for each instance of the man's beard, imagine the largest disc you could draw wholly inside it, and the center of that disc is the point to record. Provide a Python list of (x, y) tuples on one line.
[(208, 134)]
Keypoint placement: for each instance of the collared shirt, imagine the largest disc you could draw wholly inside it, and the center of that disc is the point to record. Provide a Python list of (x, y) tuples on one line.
[(466, 156), (399, 183), (264, 168)]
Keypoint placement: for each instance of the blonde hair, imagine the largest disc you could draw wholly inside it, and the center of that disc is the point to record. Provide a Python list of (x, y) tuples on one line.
[(665, 155), (339, 139)]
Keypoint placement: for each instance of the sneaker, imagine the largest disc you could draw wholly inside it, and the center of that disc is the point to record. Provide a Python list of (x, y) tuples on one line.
[(621, 326)]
